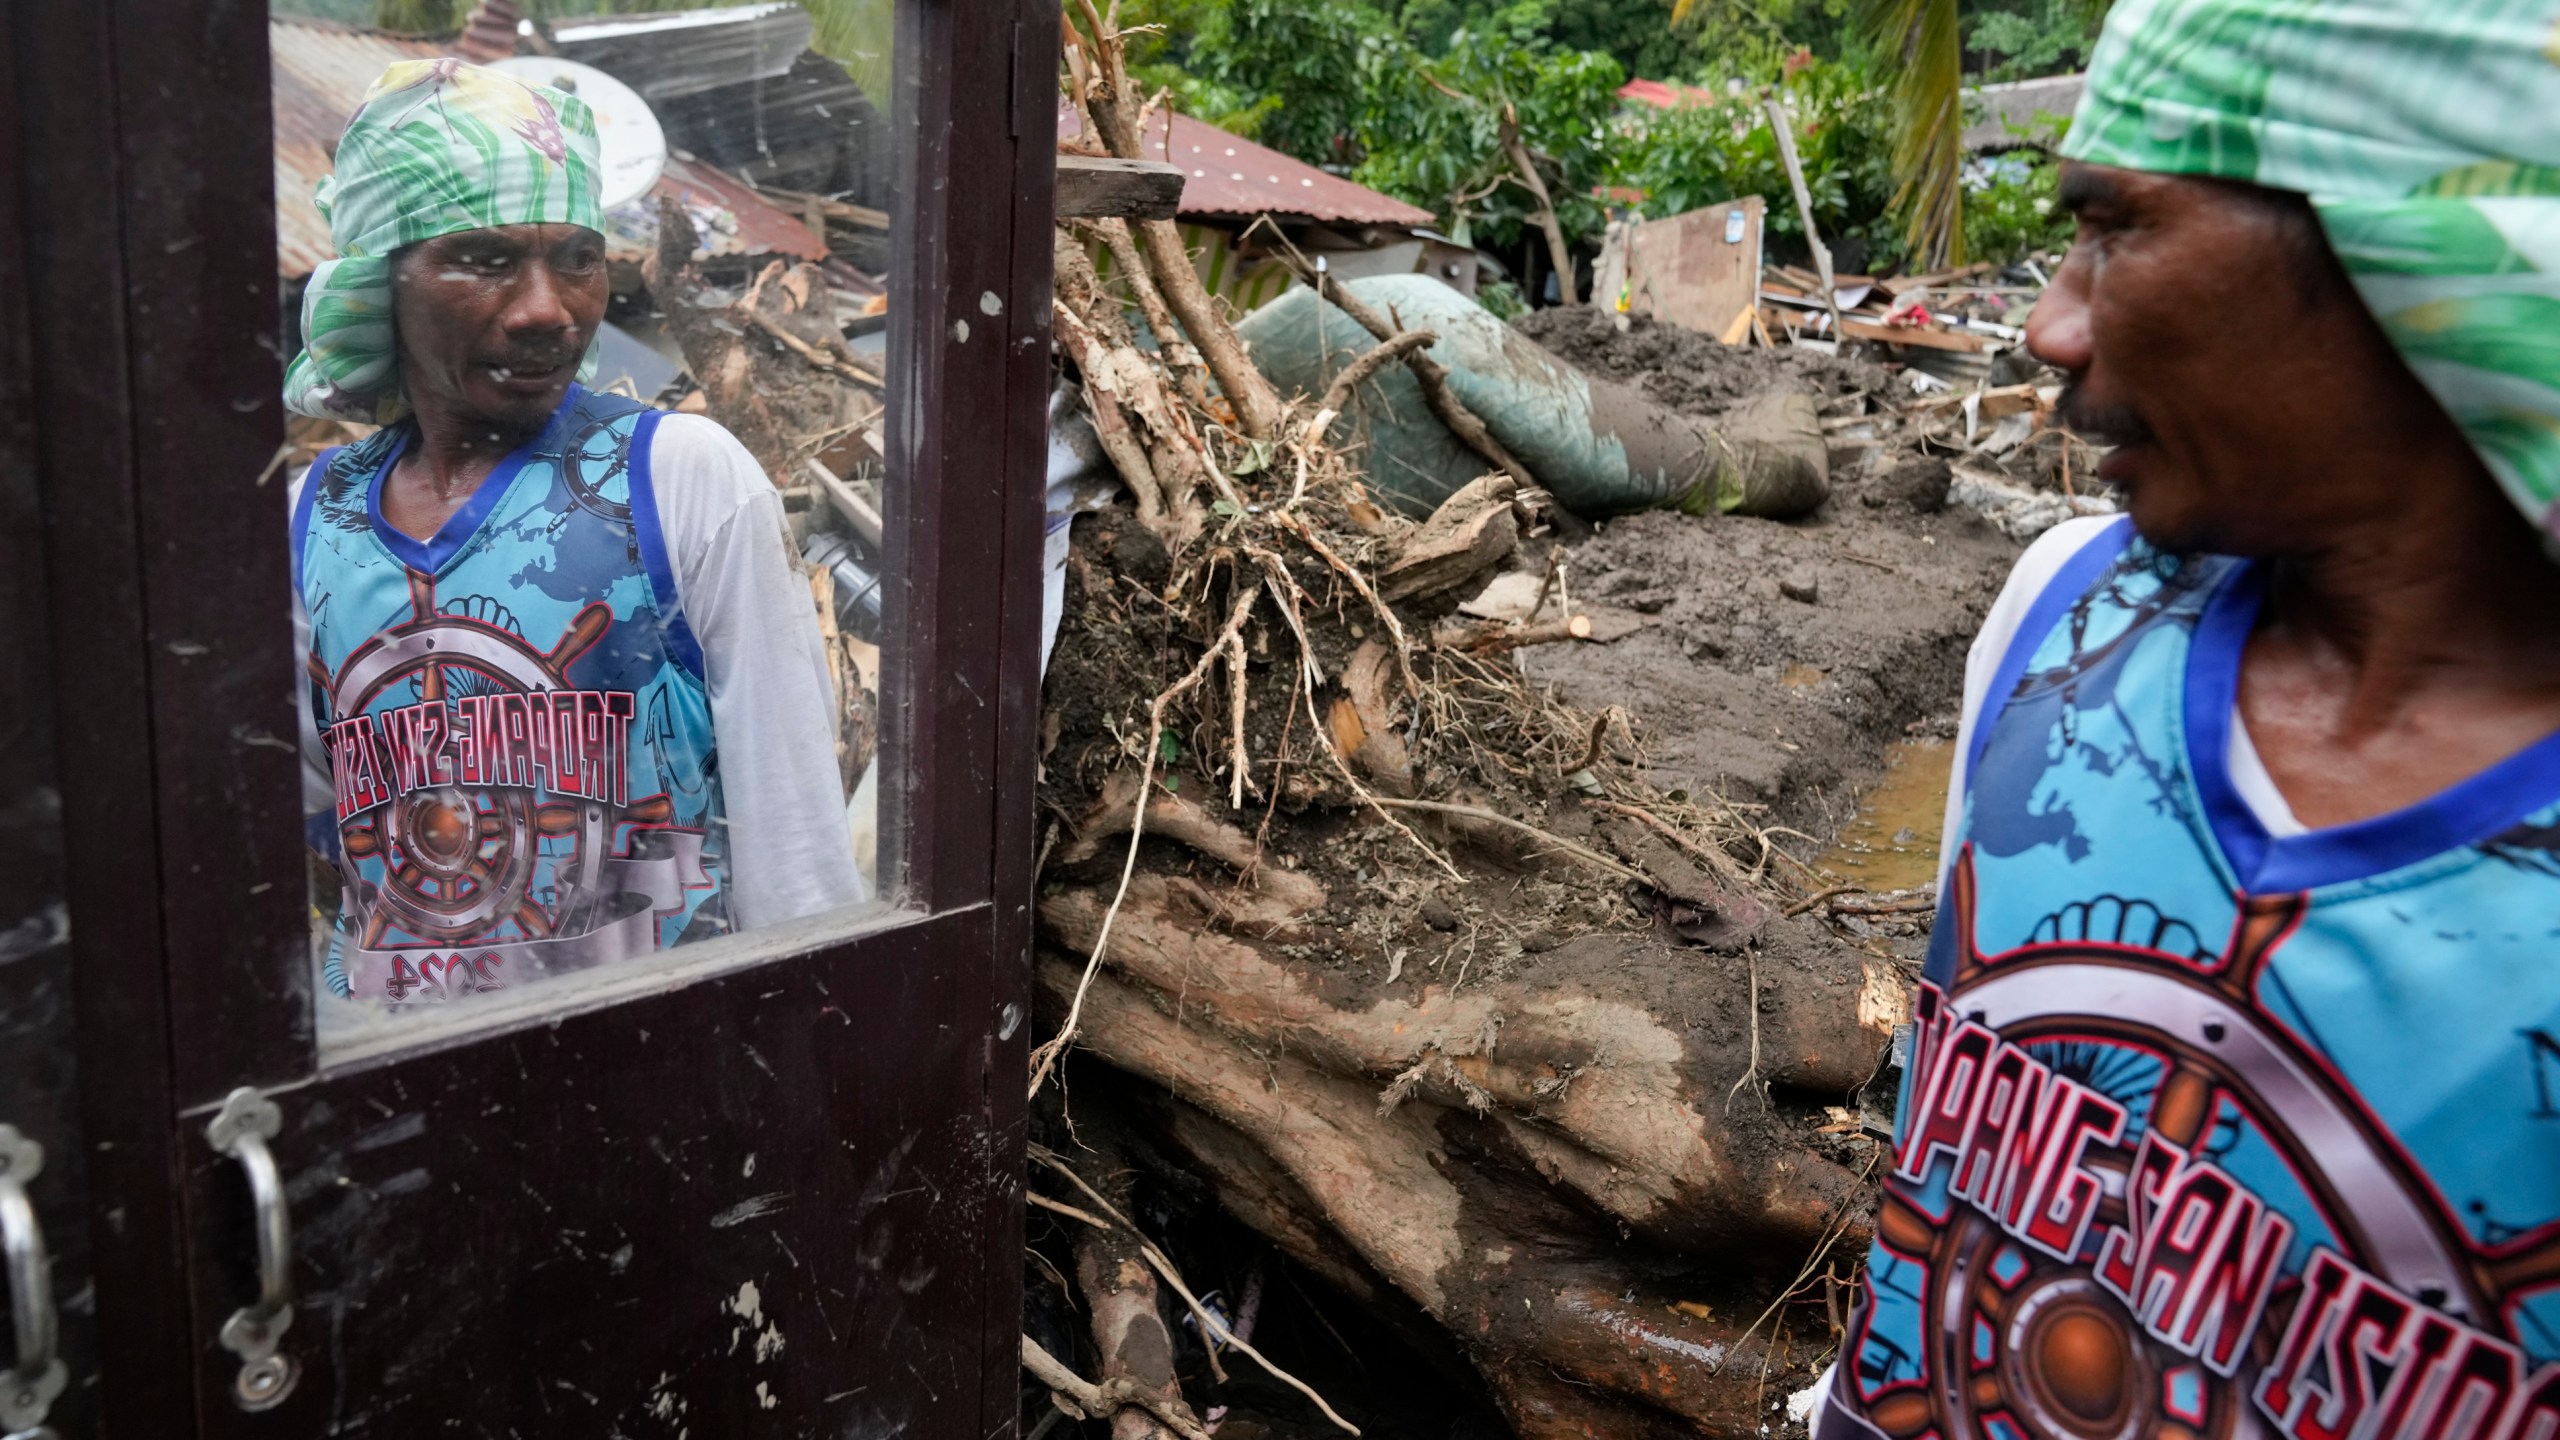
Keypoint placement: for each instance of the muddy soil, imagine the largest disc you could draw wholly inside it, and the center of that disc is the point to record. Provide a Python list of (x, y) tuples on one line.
[(1687, 370), (1777, 659), (1768, 664)]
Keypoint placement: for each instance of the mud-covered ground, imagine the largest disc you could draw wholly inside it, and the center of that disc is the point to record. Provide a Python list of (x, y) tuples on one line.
[(1778, 658), (1761, 663)]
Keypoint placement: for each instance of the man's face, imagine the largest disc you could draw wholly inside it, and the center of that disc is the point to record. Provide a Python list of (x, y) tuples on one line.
[(493, 323), (2212, 339)]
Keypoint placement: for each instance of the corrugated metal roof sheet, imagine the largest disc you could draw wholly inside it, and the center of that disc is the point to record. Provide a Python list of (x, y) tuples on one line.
[(762, 227), (321, 72), (1230, 175), (686, 52)]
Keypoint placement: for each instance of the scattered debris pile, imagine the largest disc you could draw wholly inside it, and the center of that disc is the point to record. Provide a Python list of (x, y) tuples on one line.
[(1984, 402), (1554, 1058)]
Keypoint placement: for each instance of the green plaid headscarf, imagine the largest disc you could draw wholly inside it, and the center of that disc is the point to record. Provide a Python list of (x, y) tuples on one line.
[(437, 146), (2426, 134)]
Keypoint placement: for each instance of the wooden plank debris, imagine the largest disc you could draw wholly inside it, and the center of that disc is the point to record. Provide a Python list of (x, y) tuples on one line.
[(1923, 336), (1698, 269), (1091, 186)]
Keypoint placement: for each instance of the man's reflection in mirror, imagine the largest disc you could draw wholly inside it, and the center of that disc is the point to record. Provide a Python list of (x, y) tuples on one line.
[(567, 698)]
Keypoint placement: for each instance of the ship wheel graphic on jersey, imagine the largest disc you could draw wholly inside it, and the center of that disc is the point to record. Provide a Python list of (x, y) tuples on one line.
[(598, 455), (2026, 1347), (459, 860)]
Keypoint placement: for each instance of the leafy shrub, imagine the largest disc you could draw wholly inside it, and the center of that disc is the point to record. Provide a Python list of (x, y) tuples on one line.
[(1700, 154), (2009, 209), (1502, 298), (1431, 130)]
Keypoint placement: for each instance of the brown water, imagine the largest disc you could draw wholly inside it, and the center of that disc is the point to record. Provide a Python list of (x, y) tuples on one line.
[(1892, 842)]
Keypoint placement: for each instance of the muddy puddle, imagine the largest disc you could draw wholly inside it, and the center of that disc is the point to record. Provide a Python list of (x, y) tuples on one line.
[(1892, 842)]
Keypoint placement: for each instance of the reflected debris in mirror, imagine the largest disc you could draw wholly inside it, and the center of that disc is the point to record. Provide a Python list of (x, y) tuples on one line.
[(588, 317)]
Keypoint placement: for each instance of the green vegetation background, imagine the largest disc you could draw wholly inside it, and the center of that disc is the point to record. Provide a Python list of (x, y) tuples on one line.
[(1408, 96)]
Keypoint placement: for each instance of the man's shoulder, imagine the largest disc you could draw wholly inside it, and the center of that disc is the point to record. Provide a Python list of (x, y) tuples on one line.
[(2047, 554), (701, 474), (698, 444)]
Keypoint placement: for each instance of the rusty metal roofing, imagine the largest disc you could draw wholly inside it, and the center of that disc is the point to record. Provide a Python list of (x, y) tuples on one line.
[(1230, 175), (761, 227), (321, 71), (320, 76)]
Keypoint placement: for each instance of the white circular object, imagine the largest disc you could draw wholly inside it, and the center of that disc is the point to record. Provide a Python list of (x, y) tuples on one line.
[(635, 147)]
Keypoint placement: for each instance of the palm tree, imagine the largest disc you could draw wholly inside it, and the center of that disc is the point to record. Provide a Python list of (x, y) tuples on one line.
[(1923, 55)]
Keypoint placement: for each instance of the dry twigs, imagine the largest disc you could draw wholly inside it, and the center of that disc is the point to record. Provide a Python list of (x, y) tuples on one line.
[(1558, 843), (1427, 372), (1098, 72), (1045, 1058), (1211, 1327), (1357, 373), (1083, 1398)]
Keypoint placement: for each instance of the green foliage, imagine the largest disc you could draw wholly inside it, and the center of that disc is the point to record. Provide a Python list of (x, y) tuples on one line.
[(2044, 38), (2011, 214), (1431, 129), (1282, 72), (1343, 84), (416, 17), (1700, 154), (1656, 39), (1922, 61), (1502, 298)]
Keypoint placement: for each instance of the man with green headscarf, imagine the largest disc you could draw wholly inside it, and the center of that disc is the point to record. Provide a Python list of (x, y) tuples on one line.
[(2232, 1101), (567, 697)]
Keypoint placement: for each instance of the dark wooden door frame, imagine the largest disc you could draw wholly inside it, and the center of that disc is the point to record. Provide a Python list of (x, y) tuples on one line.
[(144, 177), (39, 1094)]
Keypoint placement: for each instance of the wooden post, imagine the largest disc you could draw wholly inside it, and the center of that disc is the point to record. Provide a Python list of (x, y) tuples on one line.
[(1804, 209)]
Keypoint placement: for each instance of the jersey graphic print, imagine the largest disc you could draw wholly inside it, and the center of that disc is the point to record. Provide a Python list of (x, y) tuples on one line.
[(2208, 1134), (513, 716)]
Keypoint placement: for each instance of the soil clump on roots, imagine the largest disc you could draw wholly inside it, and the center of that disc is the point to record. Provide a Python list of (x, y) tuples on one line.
[(1451, 1032), (1543, 1087)]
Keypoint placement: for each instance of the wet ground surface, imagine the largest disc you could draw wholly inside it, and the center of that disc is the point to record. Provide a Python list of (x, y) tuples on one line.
[(1742, 688), (1891, 843), (1778, 662)]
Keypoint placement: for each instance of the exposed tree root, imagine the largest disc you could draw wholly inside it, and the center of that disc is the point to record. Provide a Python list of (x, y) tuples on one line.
[(1461, 1018)]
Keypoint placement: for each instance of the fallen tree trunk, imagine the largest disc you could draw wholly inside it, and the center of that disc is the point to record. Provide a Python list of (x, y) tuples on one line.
[(1398, 959), (774, 369), (1451, 1195), (1540, 1162)]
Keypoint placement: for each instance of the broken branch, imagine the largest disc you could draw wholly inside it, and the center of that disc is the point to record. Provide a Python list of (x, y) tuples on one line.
[(1563, 846), (1429, 373), (1357, 373), (1109, 1397), (841, 365), (1164, 1268)]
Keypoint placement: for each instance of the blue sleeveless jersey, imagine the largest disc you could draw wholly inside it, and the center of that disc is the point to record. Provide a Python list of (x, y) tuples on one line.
[(2207, 1133), (514, 715)]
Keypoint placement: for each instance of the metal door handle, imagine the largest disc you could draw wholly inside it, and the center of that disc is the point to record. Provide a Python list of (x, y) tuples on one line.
[(241, 1130), (28, 1390)]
